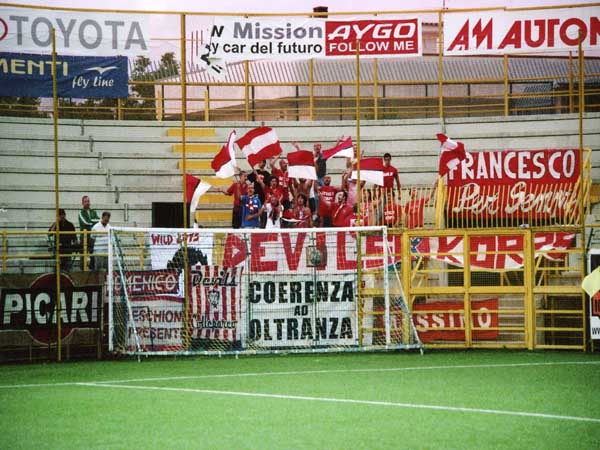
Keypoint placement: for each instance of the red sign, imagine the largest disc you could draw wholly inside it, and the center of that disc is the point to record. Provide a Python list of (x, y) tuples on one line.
[(375, 37), (491, 251), (437, 321), (528, 183)]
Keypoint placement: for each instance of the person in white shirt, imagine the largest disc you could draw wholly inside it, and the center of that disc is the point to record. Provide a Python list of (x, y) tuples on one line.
[(101, 242), (274, 211)]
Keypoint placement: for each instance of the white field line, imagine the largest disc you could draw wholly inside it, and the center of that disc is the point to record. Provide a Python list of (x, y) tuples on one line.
[(308, 372), (348, 401)]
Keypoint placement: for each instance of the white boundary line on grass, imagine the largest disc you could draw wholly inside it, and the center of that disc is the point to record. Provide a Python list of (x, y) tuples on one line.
[(307, 372), (348, 401)]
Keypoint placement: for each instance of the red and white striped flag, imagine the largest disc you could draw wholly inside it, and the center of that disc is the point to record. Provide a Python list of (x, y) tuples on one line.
[(344, 148), (195, 188), (216, 303), (259, 144), (301, 164), (371, 170), (224, 162), (452, 153)]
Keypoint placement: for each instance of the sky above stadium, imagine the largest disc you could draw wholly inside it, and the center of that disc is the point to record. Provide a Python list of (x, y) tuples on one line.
[(293, 6)]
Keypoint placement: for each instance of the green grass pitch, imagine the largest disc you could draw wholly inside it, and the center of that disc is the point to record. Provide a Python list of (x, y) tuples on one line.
[(471, 399)]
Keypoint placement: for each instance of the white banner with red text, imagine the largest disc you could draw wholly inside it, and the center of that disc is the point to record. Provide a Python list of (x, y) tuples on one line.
[(236, 39), (526, 31)]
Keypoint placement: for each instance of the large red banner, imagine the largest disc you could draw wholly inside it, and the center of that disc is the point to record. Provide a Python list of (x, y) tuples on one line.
[(374, 37), (433, 320), (538, 184)]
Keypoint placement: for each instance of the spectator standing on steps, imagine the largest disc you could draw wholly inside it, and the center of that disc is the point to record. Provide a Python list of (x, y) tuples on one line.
[(67, 240), (88, 217), (237, 189), (101, 242)]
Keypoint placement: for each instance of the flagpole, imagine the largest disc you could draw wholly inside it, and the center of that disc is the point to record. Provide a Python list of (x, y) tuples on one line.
[(56, 199), (582, 185), (358, 194), (358, 152), (183, 85)]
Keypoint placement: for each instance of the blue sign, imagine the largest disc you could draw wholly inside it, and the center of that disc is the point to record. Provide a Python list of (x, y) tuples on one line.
[(29, 75)]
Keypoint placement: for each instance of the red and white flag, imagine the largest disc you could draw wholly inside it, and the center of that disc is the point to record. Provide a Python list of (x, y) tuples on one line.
[(195, 188), (371, 170), (259, 144), (452, 153), (224, 162), (216, 303), (301, 164), (344, 148)]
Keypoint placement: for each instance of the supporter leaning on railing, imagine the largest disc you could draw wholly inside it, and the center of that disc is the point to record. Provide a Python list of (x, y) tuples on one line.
[(67, 240), (88, 217), (101, 242)]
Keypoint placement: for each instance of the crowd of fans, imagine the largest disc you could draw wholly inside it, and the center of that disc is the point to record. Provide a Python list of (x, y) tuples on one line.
[(268, 197), (272, 199)]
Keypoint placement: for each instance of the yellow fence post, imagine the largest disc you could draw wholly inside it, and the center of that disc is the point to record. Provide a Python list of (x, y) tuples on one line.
[(375, 89), (56, 199), (529, 279), (184, 243), (440, 65), (505, 74), (571, 76), (84, 250), (467, 295), (311, 93), (4, 251), (206, 105), (247, 90), (119, 109)]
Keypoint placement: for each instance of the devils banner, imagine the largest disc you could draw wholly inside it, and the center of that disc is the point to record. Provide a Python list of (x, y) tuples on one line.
[(536, 184)]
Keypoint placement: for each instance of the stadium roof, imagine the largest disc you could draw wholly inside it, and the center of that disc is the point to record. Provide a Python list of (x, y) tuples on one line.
[(423, 69)]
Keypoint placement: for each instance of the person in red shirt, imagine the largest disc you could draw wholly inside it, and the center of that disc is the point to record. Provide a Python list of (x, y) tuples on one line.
[(390, 174), (282, 174), (272, 189), (341, 210), (237, 189), (327, 195), (392, 214), (415, 208)]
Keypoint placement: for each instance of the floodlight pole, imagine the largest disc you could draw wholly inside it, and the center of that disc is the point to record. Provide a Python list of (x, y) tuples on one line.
[(57, 310), (184, 243), (358, 152), (358, 198)]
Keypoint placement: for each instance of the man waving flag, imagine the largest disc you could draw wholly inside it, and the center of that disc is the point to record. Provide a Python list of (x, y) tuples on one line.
[(452, 153), (301, 165), (342, 148), (259, 144), (224, 162)]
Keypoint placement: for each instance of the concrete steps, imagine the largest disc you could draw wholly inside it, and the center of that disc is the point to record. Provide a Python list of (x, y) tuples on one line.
[(135, 163)]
